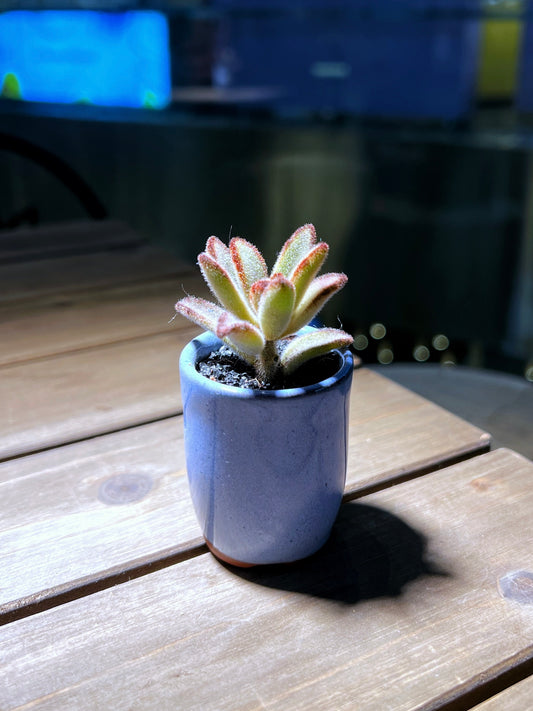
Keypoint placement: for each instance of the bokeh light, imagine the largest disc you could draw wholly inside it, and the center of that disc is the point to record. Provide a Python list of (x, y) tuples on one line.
[(440, 342), (421, 353), (378, 331), (360, 341)]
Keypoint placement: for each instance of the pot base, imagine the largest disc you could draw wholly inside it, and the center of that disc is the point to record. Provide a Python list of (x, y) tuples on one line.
[(226, 559)]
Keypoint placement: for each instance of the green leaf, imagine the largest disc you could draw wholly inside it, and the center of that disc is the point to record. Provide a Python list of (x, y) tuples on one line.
[(224, 288), (307, 268), (294, 250), (243, 335), (248, 261), (275, 307), (317, 294), (222, 255), (200, 311), (311, 345), (256, 290), (218, 250)]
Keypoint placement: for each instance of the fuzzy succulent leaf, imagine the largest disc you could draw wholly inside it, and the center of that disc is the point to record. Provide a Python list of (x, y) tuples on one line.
[(224, 288), (307, 268), (257, 288), (222, 255), (275, 307), (204, 313), (310, 345), (249, 263), (294, 250), (317, 294), (255, 312), (246, 337)]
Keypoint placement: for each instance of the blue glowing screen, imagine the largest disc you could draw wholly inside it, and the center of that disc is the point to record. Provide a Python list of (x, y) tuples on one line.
[(83, 56)]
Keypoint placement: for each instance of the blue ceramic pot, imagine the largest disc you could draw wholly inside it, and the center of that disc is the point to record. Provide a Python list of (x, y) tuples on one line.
[(266, 468)]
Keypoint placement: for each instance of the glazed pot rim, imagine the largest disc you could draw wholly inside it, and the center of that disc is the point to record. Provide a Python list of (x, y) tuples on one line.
[(203, 344)]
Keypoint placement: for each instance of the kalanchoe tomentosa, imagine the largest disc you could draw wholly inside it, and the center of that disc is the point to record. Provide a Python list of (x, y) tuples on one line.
[(258, 314)]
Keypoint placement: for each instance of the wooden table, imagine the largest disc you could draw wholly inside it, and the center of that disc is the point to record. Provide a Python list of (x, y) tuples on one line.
[(423, 597), (498, 402)]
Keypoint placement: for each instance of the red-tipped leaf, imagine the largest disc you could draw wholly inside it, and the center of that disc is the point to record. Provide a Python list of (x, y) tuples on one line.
[(204, 313), (248, 261), (294, 250), (313, 344), (307, 268), (317, 294), (224, 288), (243, 335), (276, 305), (256, 290)]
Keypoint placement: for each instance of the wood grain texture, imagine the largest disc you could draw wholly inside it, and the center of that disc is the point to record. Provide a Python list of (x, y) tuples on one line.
[(59, 533), (57, 239), (68, 397), (39, 279), (397, 434), (497, 402), (76, 321), (56, 400), (516, 698), (402, 610), (44, 539)]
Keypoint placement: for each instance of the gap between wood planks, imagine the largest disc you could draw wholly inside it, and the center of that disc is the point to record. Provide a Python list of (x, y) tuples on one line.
[(127, 312), (359, 492), (88, 438), (47, 599), (117, 575), (483, 687), (93, 347)]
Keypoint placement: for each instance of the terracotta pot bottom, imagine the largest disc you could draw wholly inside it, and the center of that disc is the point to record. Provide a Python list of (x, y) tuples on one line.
[(239, 563), (226, 559)]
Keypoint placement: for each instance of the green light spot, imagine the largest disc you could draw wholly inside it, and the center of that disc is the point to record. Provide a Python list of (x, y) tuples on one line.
[(10, 87), (149, 100)]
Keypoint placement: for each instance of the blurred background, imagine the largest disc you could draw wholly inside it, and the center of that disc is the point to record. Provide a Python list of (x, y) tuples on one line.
[(403, 129)]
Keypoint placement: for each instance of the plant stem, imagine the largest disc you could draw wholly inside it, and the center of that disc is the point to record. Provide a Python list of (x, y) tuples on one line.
[(267, 364)]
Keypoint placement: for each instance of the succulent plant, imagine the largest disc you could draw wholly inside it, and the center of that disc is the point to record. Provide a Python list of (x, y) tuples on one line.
[(258, 315)]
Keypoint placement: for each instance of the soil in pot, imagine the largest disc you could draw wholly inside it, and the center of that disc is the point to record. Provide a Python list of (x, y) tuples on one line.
[(223, 366)]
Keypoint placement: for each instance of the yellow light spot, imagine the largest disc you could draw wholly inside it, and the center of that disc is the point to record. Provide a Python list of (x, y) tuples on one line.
[(385, 355), (360, 342), (377, 331), (528, 373), (448, 358), (440, 342), (421, 353)]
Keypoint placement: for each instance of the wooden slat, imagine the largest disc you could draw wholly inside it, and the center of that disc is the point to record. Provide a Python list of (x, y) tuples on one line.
[(499, 402), (402, 610), (516, 698), (68, 397), (39, 279), (395, 434), (43, 540), (77, 321), (57, 239)]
